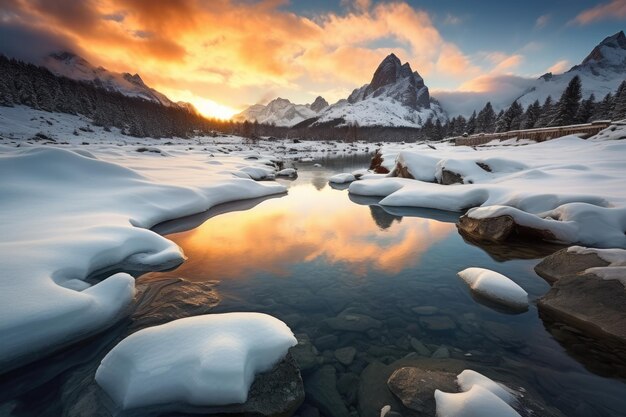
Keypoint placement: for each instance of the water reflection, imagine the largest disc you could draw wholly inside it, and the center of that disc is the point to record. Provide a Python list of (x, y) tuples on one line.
[(305, 227)]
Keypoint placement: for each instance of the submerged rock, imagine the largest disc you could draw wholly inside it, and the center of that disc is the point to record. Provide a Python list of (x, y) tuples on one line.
[(353, 322), (321, 391), (416, 387), (499, 229)]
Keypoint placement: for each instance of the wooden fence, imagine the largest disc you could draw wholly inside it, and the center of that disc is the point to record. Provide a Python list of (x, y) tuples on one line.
[(539, 135)]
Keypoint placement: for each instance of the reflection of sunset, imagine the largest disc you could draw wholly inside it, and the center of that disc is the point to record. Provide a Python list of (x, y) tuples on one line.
[(280, 233)]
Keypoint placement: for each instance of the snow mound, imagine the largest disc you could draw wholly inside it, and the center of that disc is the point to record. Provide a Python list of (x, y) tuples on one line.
[(569, 186), (287, 172), (342, 178), (481, 397), (202, 360), (495, 287), (66, 216)]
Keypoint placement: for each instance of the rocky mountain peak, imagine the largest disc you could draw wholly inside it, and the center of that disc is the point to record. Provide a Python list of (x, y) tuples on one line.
[(611, 50), (319, 104)]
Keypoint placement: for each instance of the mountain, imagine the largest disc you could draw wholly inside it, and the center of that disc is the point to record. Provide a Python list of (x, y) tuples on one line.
[(396, 96), (72, 66), (282, 112), (601, 72)]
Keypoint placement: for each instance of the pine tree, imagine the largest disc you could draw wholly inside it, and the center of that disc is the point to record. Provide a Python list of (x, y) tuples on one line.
[(618, 112), (568, 104), (604, 108), (531, 116), (486, 119), (586, 109), (511, 118), (470, 126), (547, 111)]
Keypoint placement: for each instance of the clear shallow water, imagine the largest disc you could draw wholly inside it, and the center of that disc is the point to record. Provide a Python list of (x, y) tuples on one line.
[(314, 253)]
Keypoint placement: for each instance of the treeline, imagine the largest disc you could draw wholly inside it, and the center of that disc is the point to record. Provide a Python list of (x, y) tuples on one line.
[(30, 85), (570, 109)]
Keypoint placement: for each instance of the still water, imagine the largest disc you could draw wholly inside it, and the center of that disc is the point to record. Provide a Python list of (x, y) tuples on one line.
[(317, 254)]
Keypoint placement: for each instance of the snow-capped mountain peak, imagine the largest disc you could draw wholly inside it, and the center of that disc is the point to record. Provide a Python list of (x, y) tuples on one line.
[(608, 52), (282, 112), (70, 65)]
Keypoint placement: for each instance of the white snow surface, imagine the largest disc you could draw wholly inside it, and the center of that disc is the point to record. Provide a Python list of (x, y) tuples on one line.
[(569, 186), (202, 360), (67, 214), (480, 397), (342, 178), (495, 287)]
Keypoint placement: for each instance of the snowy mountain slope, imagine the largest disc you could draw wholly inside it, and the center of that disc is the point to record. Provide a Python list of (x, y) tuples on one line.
[(601, 72), (75, 67), (396, 96), (281, 112)]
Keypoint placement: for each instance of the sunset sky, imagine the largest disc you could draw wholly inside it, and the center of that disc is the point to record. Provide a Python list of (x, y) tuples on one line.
[(225, 55)]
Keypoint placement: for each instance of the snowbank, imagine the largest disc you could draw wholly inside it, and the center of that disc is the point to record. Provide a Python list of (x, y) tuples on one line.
[(342, 178), (495, 287), (67, 215), (481, 397), (202, 360), (570, 186)]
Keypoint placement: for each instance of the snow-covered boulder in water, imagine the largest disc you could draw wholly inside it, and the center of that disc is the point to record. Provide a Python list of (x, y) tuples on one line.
[(495, 287), (342, 178), (203, 361)]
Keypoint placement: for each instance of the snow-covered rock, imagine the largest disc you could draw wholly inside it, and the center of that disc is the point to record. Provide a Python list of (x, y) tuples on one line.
[(287, 172), (568, 187), (202, 360), (342, 178), (481, 397), (67, 215), (495, 287)]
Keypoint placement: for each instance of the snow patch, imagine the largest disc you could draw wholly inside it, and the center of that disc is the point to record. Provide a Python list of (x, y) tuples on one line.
[(495, 287)]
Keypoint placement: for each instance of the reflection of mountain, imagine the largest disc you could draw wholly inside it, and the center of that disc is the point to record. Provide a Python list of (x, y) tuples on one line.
[(383, 219), (305, 226)]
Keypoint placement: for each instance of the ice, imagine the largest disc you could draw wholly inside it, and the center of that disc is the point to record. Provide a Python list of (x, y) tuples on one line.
[(67, 215), (481, 397), (342, 178), (495, 287), (202, 360)]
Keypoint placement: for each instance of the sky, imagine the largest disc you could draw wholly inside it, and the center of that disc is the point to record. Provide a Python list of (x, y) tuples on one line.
[(224, 55)]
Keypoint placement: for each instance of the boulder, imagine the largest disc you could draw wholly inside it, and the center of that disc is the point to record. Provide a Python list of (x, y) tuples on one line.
[(376, 164), (321, 391), (565, 263), (416, 387), (449, 177), (345, 355), (499, 229)]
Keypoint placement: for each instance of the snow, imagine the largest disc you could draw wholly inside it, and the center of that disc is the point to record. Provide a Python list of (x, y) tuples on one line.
[(279, 111), (480, 397), (202, 360), (495, 287), (616, 270), (287, 172), (342, 178), (569, 186), (69, 214)]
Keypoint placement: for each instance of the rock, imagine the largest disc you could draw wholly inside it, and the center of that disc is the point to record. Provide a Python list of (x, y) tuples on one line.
[(376, 164), (499, 229), (416, 387), (345, 355), (564, 263), (159, 301), (304, 353), (588, 303), (437, 323), (321, 391), (450, 177), (419, 347), (441, 353), (328, 341), (353, 322), (425, 310)]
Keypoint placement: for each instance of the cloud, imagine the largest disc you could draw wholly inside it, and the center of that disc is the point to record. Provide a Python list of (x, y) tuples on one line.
[(615, 9), (233, 52), (451, 19), (542, 21), (559, 67)]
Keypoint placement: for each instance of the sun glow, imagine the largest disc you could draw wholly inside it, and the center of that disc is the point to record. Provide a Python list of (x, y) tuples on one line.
[(205, 106)]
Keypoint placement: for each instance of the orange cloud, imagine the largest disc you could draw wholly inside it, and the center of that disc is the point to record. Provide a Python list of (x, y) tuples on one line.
[(615, 9), (559, 66)]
